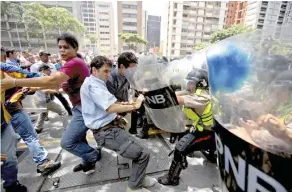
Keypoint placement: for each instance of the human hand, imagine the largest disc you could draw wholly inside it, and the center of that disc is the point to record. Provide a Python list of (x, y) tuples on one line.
[(250, 124), (272, 124), (7, 82), (139, 101)]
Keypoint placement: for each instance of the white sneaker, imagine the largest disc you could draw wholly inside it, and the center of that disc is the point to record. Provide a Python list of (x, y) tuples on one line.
[(148, 182), (137, 190)]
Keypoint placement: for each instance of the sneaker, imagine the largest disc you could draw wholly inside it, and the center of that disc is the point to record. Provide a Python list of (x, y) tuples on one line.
[(16, 187), (48, 167), (137, 190), (148, 182)]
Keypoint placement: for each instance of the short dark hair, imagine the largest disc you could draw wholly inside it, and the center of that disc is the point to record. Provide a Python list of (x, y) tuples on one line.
[(9, 51), (126, 58), (69, 38), (44, 67), (99, 61)]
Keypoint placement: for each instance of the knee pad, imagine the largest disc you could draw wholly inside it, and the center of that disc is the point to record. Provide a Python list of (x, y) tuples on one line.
[(184, 142)]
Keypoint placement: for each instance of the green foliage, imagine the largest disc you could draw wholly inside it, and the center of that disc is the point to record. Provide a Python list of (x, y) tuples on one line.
[(132, 39), (223, 34), (228, 32), (35, 16), (93, 38), (201, 46)]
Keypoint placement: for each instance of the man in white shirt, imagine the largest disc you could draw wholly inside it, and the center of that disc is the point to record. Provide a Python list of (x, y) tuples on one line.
[(44, 56), (43, 99), (44, 59)]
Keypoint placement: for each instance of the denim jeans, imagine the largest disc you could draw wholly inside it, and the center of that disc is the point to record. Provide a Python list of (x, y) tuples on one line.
[(22, 125), (8, 148), (74, 138)]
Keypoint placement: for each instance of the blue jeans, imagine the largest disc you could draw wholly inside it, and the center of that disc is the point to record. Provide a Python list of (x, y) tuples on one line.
[(74, 138), (22, 125), (8, 148)]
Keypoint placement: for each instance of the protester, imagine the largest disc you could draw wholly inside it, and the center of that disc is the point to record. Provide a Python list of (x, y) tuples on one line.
[(71, 76)]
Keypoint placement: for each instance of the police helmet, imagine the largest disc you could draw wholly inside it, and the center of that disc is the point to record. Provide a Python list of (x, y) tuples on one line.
[(283, 81), (198, 77), (270, 66)]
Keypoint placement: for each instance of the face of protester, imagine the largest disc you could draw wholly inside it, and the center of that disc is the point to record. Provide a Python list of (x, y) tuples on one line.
[(66, 50), (13, 55), (102, 73), (122, 68), (47, 72), (44, 58)]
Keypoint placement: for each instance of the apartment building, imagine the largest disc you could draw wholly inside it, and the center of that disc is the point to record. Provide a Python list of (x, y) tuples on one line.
[(267, 15), (235, 13), (130, 20), (98, 17), (189, 23), (153, 31), (14, 34)]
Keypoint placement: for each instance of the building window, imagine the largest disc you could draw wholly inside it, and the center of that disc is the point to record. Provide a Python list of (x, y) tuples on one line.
[(184, 30), (103, 13), (104, 39), (104, 26), (129, 6), (130, 23), (102, 5), (103, 20), (129, 31), (130, 15), (104, 32)]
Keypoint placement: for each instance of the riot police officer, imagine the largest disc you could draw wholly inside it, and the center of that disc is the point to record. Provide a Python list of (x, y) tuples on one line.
[(197, 107)]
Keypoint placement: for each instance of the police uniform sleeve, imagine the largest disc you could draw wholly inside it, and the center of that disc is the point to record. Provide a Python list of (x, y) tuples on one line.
[(195, 102)]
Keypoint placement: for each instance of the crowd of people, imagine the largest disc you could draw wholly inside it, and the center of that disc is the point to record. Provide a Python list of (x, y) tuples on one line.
[(101, 96)]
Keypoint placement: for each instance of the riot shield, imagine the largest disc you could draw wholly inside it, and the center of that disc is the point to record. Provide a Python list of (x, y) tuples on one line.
[(251, 91), (160, 100)]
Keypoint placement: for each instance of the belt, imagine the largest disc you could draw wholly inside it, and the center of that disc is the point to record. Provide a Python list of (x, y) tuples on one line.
[(119, 122)]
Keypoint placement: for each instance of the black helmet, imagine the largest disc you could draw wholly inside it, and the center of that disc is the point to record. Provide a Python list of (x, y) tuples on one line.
[(283, 81), (270, 66), (199, 77)]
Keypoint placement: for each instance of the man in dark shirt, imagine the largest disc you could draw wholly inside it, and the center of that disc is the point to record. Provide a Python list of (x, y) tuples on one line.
[(119, 86)]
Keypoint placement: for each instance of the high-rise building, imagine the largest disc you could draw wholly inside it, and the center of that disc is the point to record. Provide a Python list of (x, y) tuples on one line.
[(14, 34), (129, 21), (266, 15), (235, 13), (98, 17), (190, 23), (153, 31)]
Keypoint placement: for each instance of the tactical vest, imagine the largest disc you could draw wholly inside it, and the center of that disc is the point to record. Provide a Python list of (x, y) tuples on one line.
[(206, 119), (285, 113)]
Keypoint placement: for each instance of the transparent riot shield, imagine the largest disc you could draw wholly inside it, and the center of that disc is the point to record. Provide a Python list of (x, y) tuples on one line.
[(250, 80), (160, 99)]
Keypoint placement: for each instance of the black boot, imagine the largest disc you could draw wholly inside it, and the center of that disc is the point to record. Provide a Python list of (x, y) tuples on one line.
[(16, 187), (145, 128), (172, 177), (173, 137)]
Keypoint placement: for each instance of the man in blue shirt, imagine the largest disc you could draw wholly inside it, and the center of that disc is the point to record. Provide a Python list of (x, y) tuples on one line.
[(12, 58), (99, 110)]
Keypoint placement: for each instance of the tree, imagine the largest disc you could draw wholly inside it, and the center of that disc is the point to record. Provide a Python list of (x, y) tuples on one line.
[(223, 34), (10, 10), (132, 40), (55, 19), (93, 38), (228, 32), (200, 46)]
